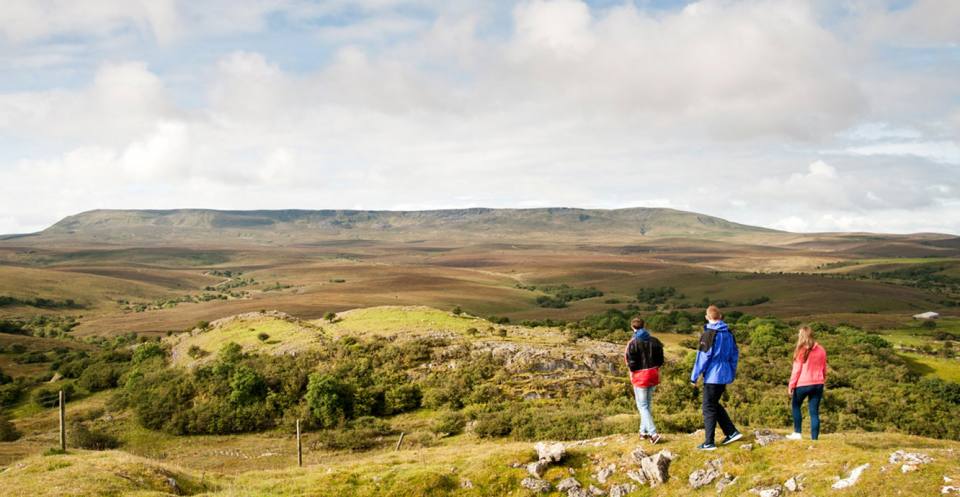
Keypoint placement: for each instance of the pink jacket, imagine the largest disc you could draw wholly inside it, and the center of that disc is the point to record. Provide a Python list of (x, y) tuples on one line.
[(812, 372)]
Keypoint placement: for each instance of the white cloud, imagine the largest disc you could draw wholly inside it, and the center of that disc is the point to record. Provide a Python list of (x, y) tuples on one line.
[(756, 110)]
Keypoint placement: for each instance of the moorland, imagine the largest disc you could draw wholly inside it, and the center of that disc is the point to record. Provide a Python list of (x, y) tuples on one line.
[(190, 341)]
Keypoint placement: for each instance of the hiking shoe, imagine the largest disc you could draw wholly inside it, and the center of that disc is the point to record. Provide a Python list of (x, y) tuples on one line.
[(654, 438), (643, 436), (794, 436), (732, 438), (706, 446)]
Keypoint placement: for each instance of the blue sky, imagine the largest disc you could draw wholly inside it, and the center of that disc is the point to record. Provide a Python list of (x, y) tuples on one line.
[(816, 115)]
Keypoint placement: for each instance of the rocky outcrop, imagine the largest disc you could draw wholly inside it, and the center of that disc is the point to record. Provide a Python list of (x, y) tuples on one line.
[(706, 475), (910, 461)]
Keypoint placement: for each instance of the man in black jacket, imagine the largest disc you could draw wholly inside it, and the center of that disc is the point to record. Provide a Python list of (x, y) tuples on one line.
[(644, 357)]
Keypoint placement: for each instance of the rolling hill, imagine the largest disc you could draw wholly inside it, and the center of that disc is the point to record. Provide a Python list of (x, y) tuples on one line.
[(291, 227)]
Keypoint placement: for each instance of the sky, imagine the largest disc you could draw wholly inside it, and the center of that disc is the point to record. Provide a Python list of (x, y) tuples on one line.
[(803, 115)]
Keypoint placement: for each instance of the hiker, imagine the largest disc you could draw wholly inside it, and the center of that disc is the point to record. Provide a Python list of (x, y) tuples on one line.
[(644, 357), (806, 381), (717, 361)]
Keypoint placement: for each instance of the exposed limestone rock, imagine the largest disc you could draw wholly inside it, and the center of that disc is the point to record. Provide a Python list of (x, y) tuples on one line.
[(466, 484), (725, 481), (596, 492), (605, 473), (622, 490), (568, 484), (537, 468), (535, 484), (746, 447), (794, 484), (774, 491), (706, 475), (911, 460), (637, 476), (852, 479), (550, 452), (766, 437), (638, 454), (656, 468)]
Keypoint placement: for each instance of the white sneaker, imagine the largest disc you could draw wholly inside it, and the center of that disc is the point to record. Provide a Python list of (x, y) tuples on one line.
[(795, 436)]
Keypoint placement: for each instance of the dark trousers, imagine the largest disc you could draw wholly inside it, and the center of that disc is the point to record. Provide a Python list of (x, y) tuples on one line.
[(815, 394), (714, 413)]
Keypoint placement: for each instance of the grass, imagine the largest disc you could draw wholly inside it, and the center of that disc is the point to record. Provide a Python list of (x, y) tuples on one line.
[(285, 335), (944, 368), (392, 319), (441, 470)]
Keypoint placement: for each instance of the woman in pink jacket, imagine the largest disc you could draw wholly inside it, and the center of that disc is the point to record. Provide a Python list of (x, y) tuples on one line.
[(806, 381)]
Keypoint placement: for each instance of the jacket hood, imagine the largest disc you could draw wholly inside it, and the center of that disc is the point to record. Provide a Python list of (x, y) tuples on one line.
[(641, 334)]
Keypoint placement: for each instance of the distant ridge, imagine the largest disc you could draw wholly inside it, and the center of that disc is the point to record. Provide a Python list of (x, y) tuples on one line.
[(291, 227)]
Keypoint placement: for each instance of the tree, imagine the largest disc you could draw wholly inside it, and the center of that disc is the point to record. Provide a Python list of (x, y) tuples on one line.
[(329, 400), (246, 386)]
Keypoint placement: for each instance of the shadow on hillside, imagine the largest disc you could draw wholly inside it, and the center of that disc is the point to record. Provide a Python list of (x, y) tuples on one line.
[(917, 366)]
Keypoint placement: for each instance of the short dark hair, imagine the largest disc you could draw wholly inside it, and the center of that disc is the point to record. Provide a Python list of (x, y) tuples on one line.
[(637, 323)]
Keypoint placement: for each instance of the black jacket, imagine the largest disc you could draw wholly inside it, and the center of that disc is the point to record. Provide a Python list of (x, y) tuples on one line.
[(644, 354)]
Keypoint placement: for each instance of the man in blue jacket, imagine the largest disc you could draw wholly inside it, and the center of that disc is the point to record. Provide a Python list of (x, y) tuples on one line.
[(717, 361)]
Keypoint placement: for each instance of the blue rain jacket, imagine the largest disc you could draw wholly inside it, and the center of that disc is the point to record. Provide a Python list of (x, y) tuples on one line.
[(717, 356)]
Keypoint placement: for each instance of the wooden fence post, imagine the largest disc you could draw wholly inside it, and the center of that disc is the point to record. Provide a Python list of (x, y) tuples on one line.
[(399, 441), (63, 425), (299, 447)]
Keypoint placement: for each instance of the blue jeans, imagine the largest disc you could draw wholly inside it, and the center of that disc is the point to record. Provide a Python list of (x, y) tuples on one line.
[(815, 394), (644, 397)]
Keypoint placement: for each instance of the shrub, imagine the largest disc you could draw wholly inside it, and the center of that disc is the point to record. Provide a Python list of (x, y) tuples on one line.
[(928, 324), (91, 439), (99, 376), (450, 423), (491, 425), (361, 434), (147, 350), (457, 311), (49, 396), (196, 352), (8, 432), (263, 337), (10, 393), (403, 398)]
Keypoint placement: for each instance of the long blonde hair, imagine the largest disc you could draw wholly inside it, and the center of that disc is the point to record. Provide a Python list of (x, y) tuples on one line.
[(805, 343)]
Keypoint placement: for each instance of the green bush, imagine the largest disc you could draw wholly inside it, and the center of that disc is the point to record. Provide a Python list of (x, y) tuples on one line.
[(361, 434), (100, 376), (49, 396), (403, 398), (148, 350), (8, 433), (450, 423), (82, 437), (10, 393)]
